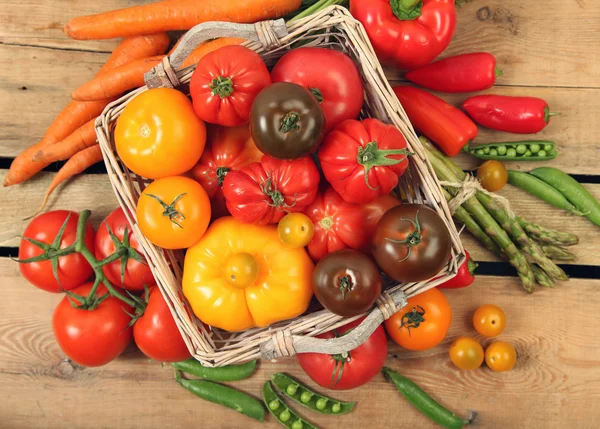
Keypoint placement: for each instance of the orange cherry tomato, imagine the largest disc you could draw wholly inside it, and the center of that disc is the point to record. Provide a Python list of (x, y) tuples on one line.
[(295, 230), (173, 212), (159, 135), (423, 323), (489, 320), (500, 356), (466, 353), (492, 175)]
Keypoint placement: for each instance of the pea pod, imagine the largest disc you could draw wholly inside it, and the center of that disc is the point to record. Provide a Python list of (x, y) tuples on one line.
[(528, 150), (423, 402), (224, 373), (309, 398), (541, 189), (284, 414), (224, 395), (572, 190)]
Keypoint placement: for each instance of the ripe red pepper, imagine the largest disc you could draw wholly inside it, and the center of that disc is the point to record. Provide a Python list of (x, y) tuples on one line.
[(520, 115), (445, 125), (464, 277), (462, 73), (407, 33)]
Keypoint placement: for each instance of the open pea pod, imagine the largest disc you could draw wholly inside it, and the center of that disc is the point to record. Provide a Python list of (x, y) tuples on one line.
[(284, 414), (308, 398), (527, 150)]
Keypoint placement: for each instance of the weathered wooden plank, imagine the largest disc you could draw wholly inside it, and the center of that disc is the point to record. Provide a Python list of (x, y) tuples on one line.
[(553, 384)]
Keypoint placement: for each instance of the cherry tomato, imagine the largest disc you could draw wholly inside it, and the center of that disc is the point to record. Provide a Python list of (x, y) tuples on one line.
[(350, 370), (240, 270), (489, 320), (295, 230), (500, 356), (136, 272), (466, 353), (73, 269), (156, 333), (92, 337), (173, 212), (423, 323), (492, 175), (159, 135)]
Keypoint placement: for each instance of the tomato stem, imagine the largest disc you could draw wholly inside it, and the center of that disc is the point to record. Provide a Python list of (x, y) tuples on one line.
[(221, 173), (413, 319), (413, 239), (371, 156), (317, 93), (221, 86), (277, 199), (170, 210), (290, 122), (345, 284)]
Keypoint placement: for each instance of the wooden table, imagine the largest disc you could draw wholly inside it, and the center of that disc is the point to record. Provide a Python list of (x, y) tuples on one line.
[(549, 49)]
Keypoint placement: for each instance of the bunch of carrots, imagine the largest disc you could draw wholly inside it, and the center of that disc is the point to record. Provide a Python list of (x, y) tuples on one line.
[(72, 136)]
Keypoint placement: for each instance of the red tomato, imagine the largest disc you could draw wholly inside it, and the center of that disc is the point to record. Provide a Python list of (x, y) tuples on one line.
[(227, 149), (156, 333), (338, 224), (137, 274), (264, 192), (330, 75), (363, 160), (372, 214), (73, 269), (226, 82), (359, 366), (92, 337)]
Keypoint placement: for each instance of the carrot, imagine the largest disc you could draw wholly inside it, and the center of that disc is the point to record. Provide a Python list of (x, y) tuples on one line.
[(76, 113), (82, 138), (77, 164), (116, 81), (175, 15), (208, 47)]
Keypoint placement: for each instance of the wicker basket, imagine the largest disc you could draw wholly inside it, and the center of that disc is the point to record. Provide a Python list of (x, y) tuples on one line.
[(333, 28)]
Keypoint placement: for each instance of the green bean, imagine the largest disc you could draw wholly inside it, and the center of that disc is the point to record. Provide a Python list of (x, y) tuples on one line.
[(512, 151), (223, 395), (224, 373), (302, 394), (540, 189), (284, 414), (423, 402), (572, 190)]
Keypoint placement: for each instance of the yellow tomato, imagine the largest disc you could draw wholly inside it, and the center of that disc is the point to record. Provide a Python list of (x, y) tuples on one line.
[(489, 320), (159, 135), (500, 356), (466, 353), (295, 230), (239, 276), (173, 212)]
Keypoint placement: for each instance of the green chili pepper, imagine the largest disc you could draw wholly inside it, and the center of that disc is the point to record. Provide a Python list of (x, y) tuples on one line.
[(423, 402), (309, 398), (224, 373), (223, 395), (513, 151), (284, 415)]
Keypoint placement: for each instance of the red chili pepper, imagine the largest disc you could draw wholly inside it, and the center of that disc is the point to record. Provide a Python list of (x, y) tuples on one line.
[(445, 125), (464, 277), (461, 73), (520, 115), (407, 33)]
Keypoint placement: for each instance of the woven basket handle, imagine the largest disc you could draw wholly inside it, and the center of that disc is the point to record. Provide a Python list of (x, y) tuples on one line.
[(267, 33), (283, 343)]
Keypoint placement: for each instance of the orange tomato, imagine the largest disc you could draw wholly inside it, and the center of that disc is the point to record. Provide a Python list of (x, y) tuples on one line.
[(295, 230), (489, 320), (500, 356), (423, 323), (159, 135), (173, 212), (466, 353)]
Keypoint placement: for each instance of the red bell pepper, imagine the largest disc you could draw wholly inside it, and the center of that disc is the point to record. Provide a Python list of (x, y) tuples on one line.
[(445, 125), (462, 73), (407, 33), (520, 115), (464, 277)]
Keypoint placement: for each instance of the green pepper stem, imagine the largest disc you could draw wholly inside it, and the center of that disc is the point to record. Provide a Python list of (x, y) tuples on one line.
[(319, 5), (406, 10), (498, 72), (471, 266)]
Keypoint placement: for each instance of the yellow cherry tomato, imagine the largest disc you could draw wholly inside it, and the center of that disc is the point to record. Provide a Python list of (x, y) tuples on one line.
[(295, 230), (159, 135), (492, 175), (489, 320), (173, 212), (500, 356), (240, 270), (466, 353)]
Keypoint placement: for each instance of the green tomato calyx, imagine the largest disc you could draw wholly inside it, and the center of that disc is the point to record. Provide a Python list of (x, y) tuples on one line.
[(413, 319), (221, 86), (170, 210), (345, 284), (412, 239), (371, 156), (317, 93), (290, 122), (221, 173)]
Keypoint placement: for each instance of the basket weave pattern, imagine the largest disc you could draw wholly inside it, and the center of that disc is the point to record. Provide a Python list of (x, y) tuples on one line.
[(332, 28)]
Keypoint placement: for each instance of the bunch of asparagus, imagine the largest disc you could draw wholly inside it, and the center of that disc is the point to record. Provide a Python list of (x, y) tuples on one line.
[(529, 247)]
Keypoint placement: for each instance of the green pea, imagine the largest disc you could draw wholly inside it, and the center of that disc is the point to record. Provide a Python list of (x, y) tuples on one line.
[(297, 425), (552, 152), (493, 152), (527, 154), (305, 397), (548, 147), (541, 153), (274, 404), (285, 416), (336, 408), (511, 153), (321, 404), (521, 149), (502, 150), (291, 389), (534, 148), (486, 150), (479, 152)]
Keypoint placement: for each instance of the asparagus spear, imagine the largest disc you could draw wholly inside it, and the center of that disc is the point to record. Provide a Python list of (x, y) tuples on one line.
[(546, 235), (541, 277), (557, 253)]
